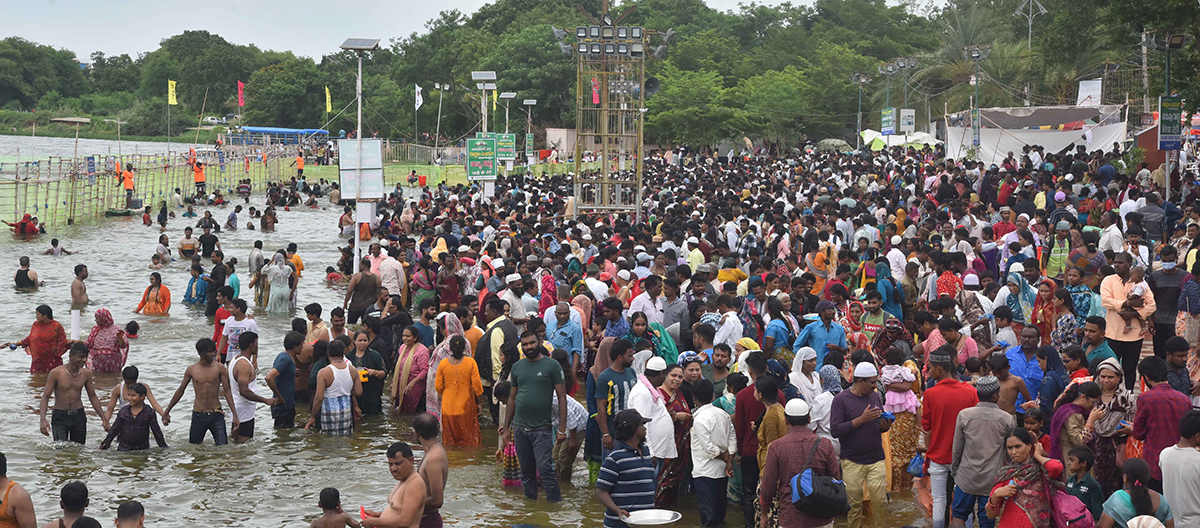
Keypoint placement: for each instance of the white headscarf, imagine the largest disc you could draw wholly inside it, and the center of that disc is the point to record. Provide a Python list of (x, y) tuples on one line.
[(810, 385), (277, 270)]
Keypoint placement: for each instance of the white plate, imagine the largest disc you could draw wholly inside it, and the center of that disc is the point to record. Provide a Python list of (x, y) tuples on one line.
[(653, 518)]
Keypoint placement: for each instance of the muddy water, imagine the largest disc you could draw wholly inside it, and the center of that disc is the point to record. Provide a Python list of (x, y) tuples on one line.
[(274, 480)]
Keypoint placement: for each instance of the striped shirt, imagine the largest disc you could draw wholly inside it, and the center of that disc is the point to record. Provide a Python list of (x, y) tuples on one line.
[(628, 476)]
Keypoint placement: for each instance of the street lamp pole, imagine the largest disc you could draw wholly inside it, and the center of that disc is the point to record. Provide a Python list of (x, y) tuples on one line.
[(441, 88), (888, 70), (859, 79), (529, 103), (507, 97), (359, 46)]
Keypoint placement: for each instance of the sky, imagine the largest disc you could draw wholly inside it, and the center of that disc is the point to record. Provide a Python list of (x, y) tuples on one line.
[(306, 27)]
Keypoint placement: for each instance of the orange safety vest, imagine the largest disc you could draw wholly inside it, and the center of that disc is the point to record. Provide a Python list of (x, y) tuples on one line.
[(197, 173), (300, 162), (127, 180)]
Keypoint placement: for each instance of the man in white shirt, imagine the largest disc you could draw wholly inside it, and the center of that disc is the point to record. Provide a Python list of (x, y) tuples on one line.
[(1180, 464), (516, 306), (896, 259), (713, 449), (391, 271), (730, 328), (599, 288), (649, 402), (1111, 238), (648, 301)]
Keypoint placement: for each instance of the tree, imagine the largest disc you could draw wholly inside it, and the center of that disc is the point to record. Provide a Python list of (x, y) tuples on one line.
[(692, 108)]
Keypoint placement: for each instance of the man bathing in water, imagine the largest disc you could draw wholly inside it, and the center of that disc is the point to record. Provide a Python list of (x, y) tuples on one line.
[(434, 470), (67, 383), (26, 278), (79, 295), (406, 503), (211, 384)]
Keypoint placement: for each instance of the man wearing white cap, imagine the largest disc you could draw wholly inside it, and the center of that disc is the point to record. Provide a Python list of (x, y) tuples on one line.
[(516, 306), (856, 419), (649, 402), (896, 259), (695, 257), (796, 451)]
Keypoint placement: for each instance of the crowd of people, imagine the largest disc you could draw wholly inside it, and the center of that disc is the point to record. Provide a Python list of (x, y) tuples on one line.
[(854, 316)]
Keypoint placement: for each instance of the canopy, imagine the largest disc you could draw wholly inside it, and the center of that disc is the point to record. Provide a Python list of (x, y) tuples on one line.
[(1039, 116), (283, 131), (876, 141), (995, 143)]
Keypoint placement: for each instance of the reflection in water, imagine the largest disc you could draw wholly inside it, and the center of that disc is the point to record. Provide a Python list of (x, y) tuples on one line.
[(272, 481)]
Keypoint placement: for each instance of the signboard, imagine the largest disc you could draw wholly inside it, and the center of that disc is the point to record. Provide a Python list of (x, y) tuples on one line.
[(529, 147), (481, 159), (506, 147), (371, 171), (485, 135), (975, 125), (908, 120), (221, 159), (1089, 92), (1170, 123), (887, 122)]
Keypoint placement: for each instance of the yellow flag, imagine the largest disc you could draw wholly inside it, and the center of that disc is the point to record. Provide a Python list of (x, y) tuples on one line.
[(493, 100), (171, 93), (328, 102)]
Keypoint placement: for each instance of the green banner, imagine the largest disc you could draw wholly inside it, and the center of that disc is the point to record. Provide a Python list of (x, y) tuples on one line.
[(528, 146), (506, 147), (1170, 123), (887, 121), (481, 159)]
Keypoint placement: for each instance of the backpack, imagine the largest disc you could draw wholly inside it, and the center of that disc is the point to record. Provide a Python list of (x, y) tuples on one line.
[(1066, 510), (819, 496)]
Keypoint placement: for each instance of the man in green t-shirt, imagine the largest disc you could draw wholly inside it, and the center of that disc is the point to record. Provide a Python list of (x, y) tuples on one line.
[(535, 379), (874, 318)]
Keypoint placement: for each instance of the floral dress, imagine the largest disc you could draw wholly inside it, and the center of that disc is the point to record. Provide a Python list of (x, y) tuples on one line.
[(1064, 335)]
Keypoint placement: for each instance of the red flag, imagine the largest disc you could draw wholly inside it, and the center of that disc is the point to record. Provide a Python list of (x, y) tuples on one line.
[(241, 94), (595, 91)]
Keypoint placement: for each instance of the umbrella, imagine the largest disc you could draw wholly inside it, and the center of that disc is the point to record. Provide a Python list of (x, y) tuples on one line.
[(832, 145)]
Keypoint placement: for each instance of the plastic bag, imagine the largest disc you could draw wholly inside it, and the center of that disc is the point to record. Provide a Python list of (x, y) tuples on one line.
[(916, 466)]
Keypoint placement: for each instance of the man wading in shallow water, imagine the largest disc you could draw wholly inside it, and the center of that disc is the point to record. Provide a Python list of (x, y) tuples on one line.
[(67, 383), (211, 383), (434, 470), (407, 500)]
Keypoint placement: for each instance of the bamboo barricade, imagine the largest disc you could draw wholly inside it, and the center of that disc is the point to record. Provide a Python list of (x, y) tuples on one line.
[(42, 187)]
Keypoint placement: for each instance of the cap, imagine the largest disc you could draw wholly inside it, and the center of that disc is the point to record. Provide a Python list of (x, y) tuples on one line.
[(1069, 177), (1063, 224), (513, 277), (623, 274), (587, 237), (1023, 216), (796, 408), (971, 280), (987, 385), (1029, 183), (479, 223), (643, 257), (656, 364), (936, 357), (1060, 196), (865, 370), (693, 240), (1005, 209), (629, 418), (464, 249), (896, 240)]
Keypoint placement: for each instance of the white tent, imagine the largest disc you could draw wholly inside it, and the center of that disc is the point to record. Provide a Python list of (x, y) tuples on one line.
[(870, 138), (1009, 129)]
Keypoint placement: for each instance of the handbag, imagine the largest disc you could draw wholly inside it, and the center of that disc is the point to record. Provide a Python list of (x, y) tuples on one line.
[(819, 496)]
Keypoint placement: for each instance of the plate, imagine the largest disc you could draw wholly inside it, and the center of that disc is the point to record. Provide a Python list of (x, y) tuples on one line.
[(653, 518)]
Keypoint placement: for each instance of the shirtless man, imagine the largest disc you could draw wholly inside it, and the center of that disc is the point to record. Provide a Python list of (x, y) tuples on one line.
[(407, 500), (67, 383), (26, 279), (1010, 386), (73, 499), (79, 296), (211, 383), (16, 508), (434, 470)]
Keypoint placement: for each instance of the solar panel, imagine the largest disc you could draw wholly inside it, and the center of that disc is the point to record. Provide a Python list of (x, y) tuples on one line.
[(360, 44)]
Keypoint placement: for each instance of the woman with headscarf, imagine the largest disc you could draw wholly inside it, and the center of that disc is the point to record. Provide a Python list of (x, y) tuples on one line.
[(1074, 419), (423, 285), (548, 296), (107, 346), (640, 329), (278, 273), (1054, 379), (804, 375), (893, 334), (1086, 258), (1081, 294), (740, 349), (856, 339), (1187, 325), (1108, 444), (438, 249), (449, 326), (583, 306), (1045, 313), (156, 300), (1019, 297), (893, 296), (776, 370), (593, 448), (1019, 498)]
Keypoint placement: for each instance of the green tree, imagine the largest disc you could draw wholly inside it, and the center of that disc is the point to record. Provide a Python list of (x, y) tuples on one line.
[(692, 108)]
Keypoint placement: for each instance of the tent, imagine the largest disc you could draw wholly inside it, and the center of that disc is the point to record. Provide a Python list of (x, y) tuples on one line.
[(876, 141), (1055, 128)]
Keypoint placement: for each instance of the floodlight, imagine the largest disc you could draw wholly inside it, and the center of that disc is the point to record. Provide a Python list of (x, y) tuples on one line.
[(637, 49), (581, 32), (607, 32), (596, 48), (635, 32), (581, 48), (623, 32), (1175, 41), (622, 49), (610, 49), (594, 32)]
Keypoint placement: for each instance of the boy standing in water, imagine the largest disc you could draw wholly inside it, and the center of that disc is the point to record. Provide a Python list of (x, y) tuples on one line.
[(211, 384), (67, 383), (135, 423), (334, 517)]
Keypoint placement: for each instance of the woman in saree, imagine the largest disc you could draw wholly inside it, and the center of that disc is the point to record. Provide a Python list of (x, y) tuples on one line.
[(1188, 324), (593, 449), (1020, 298), (412, 365), (1019, 499), (448, 326), (781, 331), (548, 294), (423, 285), (893, 296), (673, 469), (371, 370), (819, 261), (852, 322), (894, 334), (277, 274), (107, 346), (1086, 258), (640, 330), (156, 300), (1045, 313), (1109, 437), (459, 386)]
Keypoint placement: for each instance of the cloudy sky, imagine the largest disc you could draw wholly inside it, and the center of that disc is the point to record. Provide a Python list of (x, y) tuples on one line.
[(305, 27)]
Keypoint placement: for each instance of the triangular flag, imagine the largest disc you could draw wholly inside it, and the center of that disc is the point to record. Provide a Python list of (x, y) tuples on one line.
[(420, 100), (328, 102), (171, 93)]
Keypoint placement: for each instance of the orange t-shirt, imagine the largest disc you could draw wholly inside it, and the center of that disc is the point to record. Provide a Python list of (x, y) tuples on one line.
[(127, 180), (198, 173), (300, 162)]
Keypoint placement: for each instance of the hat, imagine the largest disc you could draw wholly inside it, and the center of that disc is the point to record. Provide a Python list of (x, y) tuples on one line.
[(1063, 224), (1023, 216), (936, 357), (531, 258), (643, 257), (1029, 183), (464, 249), (896, 240), (587, 237), (1005, 209), (865, 370), (623, 274), (705, 268), (479, 223), (971, 280), (987, 386), (605, 277), (796, 408), (825, 305), (693, 240), (513, 277), (639, 247), (656, 364), (1069, 177), (629, 418), (1017, 268), (1060, 196)]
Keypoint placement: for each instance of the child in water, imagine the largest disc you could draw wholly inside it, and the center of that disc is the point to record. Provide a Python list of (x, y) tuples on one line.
[(333, 516), (118, 400), (134, 423), (131, 330)]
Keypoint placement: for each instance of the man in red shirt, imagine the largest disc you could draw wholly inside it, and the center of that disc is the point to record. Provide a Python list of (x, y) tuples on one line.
[(224, 297), (747, 410), (1004, 226), (939, 415), (1159, 411)]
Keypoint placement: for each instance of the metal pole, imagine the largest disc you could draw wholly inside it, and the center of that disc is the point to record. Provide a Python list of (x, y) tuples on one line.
[(483, 108), (1145, 76), (1167, 93), (438, 134), (506, 118), (358, 170), (528, 131), (976, 85), (858, 132), (888, 104), (1029, 38)]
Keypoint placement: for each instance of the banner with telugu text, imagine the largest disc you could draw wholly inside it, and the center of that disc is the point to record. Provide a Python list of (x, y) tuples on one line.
[(171, 93), (328, 101)]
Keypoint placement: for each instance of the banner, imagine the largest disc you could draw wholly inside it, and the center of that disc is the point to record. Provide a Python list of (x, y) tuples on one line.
[(328, 102), (493, 100), (908, 120), (506, 147), (1170, 123), (481, 159), (595, 91), (1089, 92), (420, 100), (887, 121), (171, 93), (241, 93)]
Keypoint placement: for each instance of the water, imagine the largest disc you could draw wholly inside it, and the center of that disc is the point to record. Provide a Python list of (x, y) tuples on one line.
[(273, 481), (31, 148)]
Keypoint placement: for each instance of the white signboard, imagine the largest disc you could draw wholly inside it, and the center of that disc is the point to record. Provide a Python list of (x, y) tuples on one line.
[(908, 120), (371, 173), (1089, 92)]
